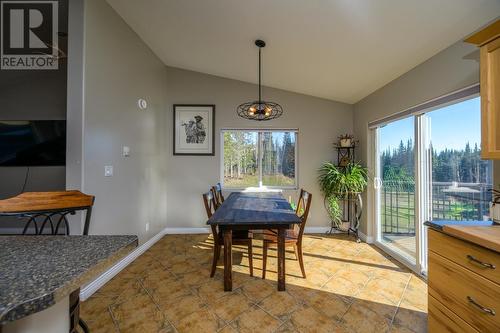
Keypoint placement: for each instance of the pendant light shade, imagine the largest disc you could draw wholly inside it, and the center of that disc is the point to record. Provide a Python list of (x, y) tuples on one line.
[(260, 110)]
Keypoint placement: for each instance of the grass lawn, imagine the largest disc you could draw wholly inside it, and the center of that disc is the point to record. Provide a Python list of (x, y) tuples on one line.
[(398, 211), (253, 181)]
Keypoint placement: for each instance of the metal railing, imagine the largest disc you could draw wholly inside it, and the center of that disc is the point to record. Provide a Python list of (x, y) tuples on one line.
[(450, 201)]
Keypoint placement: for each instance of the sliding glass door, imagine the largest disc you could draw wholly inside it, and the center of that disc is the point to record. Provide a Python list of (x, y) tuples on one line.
[(428, 167), (396, 175), (460, 178)]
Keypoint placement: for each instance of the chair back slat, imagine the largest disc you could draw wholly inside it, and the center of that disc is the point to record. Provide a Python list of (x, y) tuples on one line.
[(218, 196), (210, 207), (209, 202), (302, 211)]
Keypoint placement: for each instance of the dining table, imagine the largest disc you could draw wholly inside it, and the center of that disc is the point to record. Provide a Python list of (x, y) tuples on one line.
[(254, 211)]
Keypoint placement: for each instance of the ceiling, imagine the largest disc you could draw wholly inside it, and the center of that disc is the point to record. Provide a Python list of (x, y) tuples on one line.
[(336, 49)]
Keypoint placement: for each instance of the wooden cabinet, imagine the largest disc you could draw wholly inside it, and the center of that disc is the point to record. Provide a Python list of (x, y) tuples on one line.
[(441, 319), (488, 40), (464, 294)]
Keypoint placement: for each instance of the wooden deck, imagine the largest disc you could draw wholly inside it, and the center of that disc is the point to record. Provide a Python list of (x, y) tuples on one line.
[(405, 244)]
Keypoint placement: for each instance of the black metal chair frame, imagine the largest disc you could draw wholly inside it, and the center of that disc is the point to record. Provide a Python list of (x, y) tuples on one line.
[(50, 216)]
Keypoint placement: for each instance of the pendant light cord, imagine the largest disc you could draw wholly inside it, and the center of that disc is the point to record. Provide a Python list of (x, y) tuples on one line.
[(260, 87), (259, 110)]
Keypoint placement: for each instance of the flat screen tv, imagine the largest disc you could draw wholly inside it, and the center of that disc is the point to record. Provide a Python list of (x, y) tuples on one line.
[(33, 143)]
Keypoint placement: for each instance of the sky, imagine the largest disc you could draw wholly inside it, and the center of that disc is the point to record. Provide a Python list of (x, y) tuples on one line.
[(451, 127)]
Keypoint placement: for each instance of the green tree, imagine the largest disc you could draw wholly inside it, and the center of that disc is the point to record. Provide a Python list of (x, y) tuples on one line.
[(288, 161)]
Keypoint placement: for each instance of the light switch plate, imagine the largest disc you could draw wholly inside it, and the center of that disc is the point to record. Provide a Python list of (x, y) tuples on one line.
[(125, 151), (108, 170)]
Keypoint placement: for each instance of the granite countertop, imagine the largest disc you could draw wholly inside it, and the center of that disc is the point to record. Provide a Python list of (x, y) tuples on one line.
[(38, 271), (482, 233)]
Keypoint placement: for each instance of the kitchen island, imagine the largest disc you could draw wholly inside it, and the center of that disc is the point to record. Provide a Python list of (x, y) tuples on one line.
[(463, 276), (40, 278)]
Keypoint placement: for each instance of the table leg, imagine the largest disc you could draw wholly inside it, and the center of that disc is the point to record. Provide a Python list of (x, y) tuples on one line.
[(86, 226), (228, 260), (281, 259), (74, 313)]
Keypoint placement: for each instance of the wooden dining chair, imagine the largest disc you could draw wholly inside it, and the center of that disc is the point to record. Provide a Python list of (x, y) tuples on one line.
[(219, 197), (242, 237), (293, 237)]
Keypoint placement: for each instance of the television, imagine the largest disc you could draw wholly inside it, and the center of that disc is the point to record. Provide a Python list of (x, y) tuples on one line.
[(33, 143)]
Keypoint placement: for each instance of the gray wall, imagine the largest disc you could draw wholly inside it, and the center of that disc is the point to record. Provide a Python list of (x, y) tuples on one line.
[(154, 186), (119, 69), (319, 122), (454, 68)]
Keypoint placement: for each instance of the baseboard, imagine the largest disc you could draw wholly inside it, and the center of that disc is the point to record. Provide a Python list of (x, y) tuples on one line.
[(365, 238), (199, 230), (316, 230), (100, 281), (178, 231)]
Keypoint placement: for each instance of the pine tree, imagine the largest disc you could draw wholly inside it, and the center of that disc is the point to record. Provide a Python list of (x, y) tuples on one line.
[(288, 160)]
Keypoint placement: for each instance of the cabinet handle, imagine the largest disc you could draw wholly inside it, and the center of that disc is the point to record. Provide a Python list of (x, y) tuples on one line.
[(479, 306), (484, 264)]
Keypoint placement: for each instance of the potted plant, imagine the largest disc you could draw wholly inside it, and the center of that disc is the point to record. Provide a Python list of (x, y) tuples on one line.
[(346, 140), (338, 183)]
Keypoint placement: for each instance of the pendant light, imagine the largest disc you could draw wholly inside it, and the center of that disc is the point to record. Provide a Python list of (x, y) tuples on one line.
[(260, 110)]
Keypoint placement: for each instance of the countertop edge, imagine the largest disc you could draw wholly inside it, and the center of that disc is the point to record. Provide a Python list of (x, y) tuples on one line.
[(478, 240), (47, 300)]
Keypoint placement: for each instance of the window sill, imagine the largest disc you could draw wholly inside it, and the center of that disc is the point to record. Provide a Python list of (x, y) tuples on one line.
[(262, 189)]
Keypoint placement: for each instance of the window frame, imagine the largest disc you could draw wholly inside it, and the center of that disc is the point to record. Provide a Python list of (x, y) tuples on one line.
[(259, 131)]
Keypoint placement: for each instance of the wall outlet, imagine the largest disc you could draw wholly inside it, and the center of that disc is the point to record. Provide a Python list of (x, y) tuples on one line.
[(147, 226), (108, 170)]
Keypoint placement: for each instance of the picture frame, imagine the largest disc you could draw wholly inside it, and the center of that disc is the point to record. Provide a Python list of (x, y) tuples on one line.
[(194, 129)]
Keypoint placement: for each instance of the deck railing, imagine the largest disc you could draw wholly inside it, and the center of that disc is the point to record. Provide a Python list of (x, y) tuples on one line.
[(450, 201)]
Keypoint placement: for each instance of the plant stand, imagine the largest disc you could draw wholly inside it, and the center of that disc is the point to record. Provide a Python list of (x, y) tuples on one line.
[(352, 208), (349, 205), (345, 155)]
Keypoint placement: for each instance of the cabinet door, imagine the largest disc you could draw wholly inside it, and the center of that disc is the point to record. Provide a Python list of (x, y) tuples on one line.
[(490, 99)]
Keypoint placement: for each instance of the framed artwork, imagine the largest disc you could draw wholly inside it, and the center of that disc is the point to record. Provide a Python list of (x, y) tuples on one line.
[(194, 129)]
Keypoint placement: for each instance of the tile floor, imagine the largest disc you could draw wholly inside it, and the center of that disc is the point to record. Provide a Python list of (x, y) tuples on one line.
[(350, 287)]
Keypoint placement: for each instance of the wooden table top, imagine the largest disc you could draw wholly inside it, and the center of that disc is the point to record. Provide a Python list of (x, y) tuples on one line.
[(252, 208), (45, 201)]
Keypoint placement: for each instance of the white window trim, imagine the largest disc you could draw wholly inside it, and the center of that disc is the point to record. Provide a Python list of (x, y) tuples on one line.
[(260, 188)]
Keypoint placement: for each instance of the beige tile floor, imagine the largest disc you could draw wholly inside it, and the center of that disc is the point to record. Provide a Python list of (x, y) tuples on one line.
[(350, 287)]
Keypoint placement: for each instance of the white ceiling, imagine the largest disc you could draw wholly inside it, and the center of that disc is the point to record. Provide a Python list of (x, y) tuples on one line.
[(336, 49)]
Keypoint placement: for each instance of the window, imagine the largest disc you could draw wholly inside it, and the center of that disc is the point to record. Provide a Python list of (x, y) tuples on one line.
[(259, 158)]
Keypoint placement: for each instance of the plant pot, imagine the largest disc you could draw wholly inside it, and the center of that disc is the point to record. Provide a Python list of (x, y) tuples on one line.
[(345, 143), (345, 225)]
